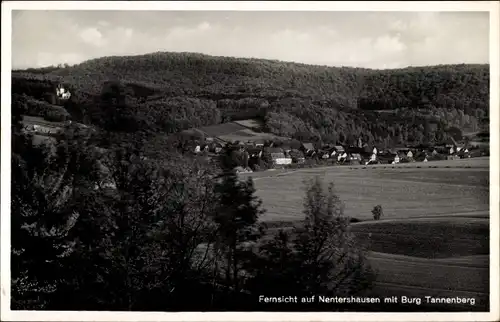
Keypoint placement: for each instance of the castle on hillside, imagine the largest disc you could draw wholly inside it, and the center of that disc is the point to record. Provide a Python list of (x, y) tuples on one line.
[(62, 93)]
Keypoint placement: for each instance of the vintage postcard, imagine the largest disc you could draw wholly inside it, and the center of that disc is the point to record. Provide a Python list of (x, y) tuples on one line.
[(247, 161)]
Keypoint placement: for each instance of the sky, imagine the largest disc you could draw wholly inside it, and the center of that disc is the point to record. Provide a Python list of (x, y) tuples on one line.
[(358, 39)]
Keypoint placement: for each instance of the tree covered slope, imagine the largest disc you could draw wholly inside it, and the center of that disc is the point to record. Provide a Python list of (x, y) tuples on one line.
[(170, 92)]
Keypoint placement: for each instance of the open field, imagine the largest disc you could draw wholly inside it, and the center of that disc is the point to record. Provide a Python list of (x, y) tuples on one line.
[(237, 131), (250, 123), (404, 191), (433, 239), (426, 237)]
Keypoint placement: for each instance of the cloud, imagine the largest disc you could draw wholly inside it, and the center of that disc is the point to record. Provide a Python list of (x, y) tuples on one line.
[(93, 37), (388, 45), (204, 26), (362, 39)]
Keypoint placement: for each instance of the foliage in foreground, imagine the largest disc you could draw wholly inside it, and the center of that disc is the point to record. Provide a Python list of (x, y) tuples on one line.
[(116, 231)]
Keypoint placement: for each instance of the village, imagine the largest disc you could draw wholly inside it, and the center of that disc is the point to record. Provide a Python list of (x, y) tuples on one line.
[(271, 152), (260, 154)]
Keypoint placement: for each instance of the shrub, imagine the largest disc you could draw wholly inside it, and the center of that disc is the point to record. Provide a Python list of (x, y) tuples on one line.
[(377, 212)]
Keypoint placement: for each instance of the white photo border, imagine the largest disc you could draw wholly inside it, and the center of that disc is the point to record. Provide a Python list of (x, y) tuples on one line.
[(493, 7)]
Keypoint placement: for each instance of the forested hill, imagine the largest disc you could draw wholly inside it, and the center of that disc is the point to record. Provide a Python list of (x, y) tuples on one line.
[(169, 92)]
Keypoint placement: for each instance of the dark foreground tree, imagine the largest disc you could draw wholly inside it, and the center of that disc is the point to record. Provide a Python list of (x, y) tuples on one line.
[(158, 214), (113, 230), (320, 257), (236, 217), (48, 182)]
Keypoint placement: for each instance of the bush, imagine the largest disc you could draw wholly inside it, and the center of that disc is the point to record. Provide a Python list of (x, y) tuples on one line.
[(377, 212)]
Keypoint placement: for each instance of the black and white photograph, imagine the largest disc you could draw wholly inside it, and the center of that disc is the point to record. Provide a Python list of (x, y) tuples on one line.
[(250, 157)]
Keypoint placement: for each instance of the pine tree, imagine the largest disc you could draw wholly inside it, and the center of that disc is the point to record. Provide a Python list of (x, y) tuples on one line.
[(237, 214)]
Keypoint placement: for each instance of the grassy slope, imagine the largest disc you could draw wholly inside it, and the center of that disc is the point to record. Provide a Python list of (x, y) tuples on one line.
[(403, 253), (427, 237), (438, 247), (236, 131), (416, 277)]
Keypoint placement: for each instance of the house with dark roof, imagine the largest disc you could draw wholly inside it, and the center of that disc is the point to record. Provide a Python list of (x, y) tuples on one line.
[(336, 150), (354, 149), (307, 147), (276, 156), (259, 142), (391, 151), (215, 147), (355, 158), (254, 152), (339, 149)]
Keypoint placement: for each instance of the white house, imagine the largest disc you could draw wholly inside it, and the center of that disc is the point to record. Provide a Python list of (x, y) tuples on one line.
[(62, 93), (373, 158), (280, 159), (342, 157)]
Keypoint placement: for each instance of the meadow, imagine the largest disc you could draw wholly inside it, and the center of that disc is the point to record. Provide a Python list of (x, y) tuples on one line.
[(433, 238), (238, 131), (404, 191)]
